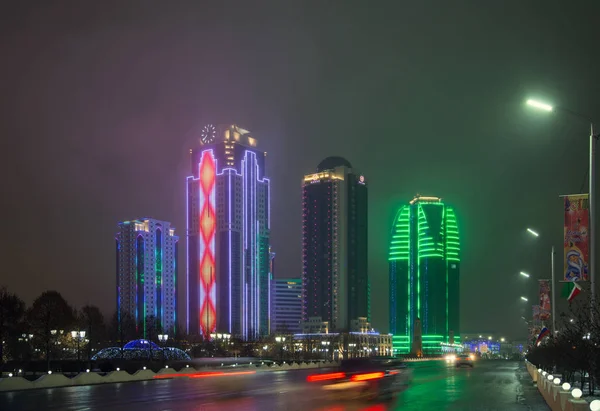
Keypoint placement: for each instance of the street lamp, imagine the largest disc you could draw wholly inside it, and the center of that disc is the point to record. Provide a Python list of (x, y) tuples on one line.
[(280, 340), (78, 335), (592, 182), (325, 345), (162, 338), (524, 299), (524, 274), (539, 105), (553, 292)]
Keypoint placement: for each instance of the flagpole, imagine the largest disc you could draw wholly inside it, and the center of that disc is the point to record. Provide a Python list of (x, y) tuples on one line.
[(592, 214), (553, 295)]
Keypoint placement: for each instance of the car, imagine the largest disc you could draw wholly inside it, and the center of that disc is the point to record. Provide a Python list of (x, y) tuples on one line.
[(369, 378), (450, 358), (464, 359)]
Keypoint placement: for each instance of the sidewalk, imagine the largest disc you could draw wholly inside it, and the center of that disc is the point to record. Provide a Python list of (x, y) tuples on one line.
[(527, 391)]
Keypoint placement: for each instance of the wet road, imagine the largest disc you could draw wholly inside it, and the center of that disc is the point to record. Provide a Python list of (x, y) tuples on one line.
[(491, 385)]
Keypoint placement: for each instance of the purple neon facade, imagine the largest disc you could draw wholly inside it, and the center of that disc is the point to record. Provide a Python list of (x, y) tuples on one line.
[(146, 269), (242, 212)]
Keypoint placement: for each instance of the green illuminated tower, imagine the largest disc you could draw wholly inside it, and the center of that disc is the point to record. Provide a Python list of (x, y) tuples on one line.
[(424, 275)]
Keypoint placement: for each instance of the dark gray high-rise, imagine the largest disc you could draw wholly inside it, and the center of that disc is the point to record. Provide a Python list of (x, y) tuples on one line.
[(335, 260)]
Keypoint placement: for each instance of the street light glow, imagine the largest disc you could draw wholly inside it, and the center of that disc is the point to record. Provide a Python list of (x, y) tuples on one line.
[(539, 105), (524, 274), (532, 232), (524, 299)]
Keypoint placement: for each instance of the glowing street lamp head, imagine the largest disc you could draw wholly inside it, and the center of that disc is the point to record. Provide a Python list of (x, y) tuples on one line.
[(530, 231), (524, 274), (539, 105), (524, 299)]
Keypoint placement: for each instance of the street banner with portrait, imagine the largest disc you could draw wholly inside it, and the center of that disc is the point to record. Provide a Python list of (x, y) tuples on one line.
[(544, 300), (534, 331), (535, 313), (576, 246)]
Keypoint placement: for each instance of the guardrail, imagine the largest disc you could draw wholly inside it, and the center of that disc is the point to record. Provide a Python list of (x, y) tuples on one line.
[(559, 396), (423, 359), (54, 380)]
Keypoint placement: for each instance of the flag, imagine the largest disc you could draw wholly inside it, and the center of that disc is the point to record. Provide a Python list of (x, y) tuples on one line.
[(574, 292), (566, 290), (543, 333), (576, 238)]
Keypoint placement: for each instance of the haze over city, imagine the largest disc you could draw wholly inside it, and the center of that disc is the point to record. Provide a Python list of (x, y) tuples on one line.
[(102, 103)]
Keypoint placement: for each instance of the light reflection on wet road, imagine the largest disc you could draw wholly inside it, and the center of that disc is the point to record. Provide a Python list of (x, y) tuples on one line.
[(491, 385)]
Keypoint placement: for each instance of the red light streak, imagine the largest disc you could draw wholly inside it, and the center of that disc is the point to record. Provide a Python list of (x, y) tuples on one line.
[(165, 376), (325, 377), (220, 374), (367, 377), (206, 374)]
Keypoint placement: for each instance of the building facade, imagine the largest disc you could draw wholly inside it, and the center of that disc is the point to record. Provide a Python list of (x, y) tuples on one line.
[(338, 346), (286, 305), (335, 271), (424, 264), (228, 230), (146, 252)]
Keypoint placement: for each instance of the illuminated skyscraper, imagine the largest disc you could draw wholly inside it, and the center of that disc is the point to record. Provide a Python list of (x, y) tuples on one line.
[(147, 274), (286, 305), (228, 228), (335, 278), (424, 275)]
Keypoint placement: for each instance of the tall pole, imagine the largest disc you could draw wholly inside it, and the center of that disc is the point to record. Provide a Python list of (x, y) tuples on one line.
[(553, 295), (592, 206)]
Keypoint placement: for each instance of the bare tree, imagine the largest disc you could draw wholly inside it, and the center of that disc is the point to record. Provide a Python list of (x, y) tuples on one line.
[(49, 314), (92, 321), (12, 309), (574, 350)]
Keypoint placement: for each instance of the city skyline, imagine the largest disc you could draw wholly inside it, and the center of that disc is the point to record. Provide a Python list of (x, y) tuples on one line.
[(103, 103)]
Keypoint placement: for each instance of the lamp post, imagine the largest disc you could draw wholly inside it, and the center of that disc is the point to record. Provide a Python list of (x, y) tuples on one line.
[(162, 338), (553, 292), (592, 181), (78, 335), (280, 340), (325, 345)]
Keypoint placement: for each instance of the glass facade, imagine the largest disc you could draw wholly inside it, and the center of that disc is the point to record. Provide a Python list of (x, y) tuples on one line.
[(147, 274), (424, 267), (286, 305), (239, 291), (334, 244)]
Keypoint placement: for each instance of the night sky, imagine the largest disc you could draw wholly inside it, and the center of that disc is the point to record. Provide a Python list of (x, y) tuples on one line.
[(101, 102)]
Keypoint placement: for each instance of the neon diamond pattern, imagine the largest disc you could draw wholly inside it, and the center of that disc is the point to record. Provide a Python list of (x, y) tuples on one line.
[(207, 274), (207, 223), (207, 173), (207, 228)]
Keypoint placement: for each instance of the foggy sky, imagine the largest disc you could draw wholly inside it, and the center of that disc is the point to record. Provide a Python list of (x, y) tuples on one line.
[(101, 102)]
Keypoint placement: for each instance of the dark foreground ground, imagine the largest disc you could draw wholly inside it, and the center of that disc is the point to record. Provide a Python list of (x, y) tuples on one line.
[(490, 385)]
